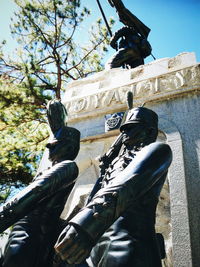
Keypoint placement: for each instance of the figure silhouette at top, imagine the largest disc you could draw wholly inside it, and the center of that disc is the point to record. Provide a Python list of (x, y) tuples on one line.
[(130, 41)]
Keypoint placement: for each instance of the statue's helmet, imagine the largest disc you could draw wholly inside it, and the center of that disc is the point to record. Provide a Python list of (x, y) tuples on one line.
[(141, 115), (65, 144)]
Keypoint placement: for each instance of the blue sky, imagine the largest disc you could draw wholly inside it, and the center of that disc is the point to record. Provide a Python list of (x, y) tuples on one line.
[(174, 24)]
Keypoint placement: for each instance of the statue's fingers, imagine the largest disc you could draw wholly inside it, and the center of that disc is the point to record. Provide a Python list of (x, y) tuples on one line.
[(69, 251), (63, 253), (83, 256), (65, 240), (65, 245), (78, 256), (63, 235)]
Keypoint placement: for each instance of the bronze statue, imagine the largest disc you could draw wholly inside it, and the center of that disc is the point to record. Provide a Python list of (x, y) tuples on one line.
[(36, 209), (117, 226), (129, 41)]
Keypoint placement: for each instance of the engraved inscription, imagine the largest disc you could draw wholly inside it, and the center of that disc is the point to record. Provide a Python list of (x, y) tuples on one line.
[(188, 77)]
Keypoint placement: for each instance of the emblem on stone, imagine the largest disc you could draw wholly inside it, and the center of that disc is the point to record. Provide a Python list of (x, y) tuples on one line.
[(113, 121)]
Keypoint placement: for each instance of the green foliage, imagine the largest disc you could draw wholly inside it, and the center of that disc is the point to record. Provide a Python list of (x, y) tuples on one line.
[(23, 133), (51, 52), (4, 193)]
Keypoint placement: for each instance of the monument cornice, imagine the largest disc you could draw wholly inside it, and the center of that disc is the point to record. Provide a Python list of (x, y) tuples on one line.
[(105, 92)]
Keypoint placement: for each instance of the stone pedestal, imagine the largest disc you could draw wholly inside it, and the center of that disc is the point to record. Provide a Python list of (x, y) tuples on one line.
[(170, 87)]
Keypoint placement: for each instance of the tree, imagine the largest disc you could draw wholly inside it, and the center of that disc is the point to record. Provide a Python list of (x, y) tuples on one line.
[(23, 133), (50, 54)]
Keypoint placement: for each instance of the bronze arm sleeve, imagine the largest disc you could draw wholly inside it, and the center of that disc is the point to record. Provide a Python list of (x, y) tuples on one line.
[(43, 187)]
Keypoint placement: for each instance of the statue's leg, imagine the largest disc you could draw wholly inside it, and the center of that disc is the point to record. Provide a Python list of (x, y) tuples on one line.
[(23, 244), (136, 62), (123, 56), (117, 60), (32, 239)]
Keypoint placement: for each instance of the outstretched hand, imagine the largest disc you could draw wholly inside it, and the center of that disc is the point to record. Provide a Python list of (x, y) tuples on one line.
[(73, 245)]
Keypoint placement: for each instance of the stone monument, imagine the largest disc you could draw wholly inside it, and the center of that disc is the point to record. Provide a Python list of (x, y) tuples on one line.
[(169, 86)]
